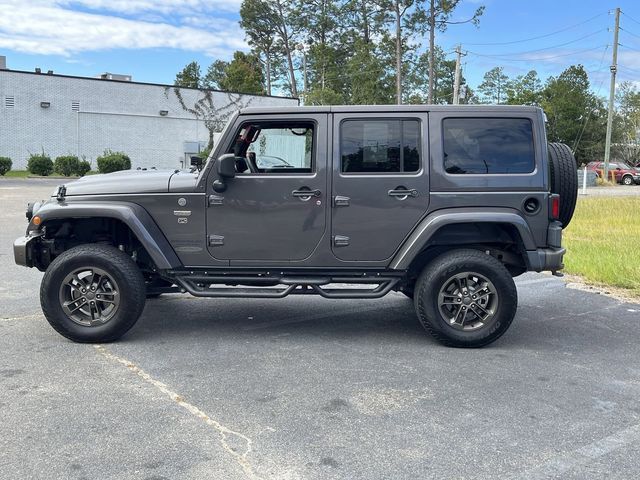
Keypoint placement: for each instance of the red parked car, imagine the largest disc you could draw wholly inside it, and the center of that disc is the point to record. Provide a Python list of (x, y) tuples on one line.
[(624, 174)]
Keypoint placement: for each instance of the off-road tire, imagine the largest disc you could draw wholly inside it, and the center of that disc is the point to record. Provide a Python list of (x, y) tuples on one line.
[(124, 272), (563, 179), (627, 180), (439, 271)]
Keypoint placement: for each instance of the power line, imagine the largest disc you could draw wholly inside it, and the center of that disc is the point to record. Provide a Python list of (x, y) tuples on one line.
[(629, 69), (629, 33), (535, 59), (588, 116), (539, 36), (628, 48), (630, 17), (547, 48)]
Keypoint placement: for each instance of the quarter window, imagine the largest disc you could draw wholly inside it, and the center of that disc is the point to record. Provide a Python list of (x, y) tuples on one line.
[(488, 145), (380, 146)]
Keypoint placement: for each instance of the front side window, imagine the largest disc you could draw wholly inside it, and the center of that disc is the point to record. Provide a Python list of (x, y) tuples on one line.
[(274, 148), (380, 146), (488, 145)]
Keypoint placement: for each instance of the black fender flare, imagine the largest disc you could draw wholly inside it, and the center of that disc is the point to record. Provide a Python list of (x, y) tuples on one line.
[(131, 214), (433, 222)]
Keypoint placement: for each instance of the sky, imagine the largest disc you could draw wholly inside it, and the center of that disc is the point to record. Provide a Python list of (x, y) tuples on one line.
[(153, 39)]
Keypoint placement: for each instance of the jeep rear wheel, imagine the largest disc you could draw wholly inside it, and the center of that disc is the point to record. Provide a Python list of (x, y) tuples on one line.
[(466, 298), (92, 293), (563, 179)]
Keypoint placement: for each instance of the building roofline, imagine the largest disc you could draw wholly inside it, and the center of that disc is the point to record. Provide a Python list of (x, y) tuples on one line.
[(132, 82)]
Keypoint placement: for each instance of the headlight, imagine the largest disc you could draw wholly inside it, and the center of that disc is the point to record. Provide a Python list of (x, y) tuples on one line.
[(32, 208)]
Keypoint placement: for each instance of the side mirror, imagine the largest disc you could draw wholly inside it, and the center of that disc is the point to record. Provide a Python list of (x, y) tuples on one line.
[(618, 168), (197, 162), (227, 166)]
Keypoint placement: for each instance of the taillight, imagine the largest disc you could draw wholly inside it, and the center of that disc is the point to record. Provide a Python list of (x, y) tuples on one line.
[(554, 206)]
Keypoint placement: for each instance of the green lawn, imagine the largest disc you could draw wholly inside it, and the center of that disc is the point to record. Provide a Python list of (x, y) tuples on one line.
[(17, 174), (602, 242)]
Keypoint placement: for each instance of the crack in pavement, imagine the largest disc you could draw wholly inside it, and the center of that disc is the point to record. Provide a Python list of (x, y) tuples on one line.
[(225, 432)]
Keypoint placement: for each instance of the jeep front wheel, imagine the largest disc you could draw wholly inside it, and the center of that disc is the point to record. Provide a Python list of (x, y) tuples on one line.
[(92, 293), (466, 298)]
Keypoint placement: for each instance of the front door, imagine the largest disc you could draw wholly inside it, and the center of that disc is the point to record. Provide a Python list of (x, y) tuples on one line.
[(380, 183), (274, 208)]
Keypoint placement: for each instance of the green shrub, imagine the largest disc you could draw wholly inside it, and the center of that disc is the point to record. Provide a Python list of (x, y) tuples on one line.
[(40, 164), (113, 162), (5, 165), (67, 165), (84, 167)]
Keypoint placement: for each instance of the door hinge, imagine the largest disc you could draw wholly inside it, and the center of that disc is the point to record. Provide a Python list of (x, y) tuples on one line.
[(215, 200), (216, 240), (340, 241), (340, 201)]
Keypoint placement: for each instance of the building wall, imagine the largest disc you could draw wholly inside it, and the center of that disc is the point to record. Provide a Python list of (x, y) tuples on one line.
[(87, 116)]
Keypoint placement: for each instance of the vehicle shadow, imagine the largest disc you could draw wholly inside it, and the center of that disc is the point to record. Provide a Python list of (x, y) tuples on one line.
[(390, 319)]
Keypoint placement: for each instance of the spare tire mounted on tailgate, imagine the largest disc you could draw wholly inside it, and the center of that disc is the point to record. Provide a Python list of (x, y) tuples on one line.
[(564, 179)]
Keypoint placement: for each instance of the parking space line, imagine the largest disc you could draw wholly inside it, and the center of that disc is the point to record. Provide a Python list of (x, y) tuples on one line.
[(538, 280), (24, 317), (224, 432), (584, 455)]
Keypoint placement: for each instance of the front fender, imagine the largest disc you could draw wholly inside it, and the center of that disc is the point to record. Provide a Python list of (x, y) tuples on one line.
[(433, 222), (133, 215)]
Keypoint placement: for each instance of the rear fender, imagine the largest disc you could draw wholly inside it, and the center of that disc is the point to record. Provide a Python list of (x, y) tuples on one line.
[(430, 225)]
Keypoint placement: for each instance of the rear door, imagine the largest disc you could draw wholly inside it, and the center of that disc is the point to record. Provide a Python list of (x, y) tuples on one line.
[(380, 187)]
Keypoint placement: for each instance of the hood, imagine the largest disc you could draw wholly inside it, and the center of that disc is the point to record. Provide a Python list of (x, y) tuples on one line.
[(126, 181)]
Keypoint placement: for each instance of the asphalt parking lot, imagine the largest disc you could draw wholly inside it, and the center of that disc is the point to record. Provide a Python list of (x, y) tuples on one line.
[(306, 388)]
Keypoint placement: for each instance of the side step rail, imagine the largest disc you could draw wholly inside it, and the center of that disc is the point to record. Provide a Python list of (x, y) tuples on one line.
[(210, 286)]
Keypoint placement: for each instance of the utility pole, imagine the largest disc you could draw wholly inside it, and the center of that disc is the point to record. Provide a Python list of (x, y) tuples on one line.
[(456, 81), (612, 94), (432, 43)]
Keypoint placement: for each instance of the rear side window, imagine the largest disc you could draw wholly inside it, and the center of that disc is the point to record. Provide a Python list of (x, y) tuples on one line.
[(380, 146), (488, 145)]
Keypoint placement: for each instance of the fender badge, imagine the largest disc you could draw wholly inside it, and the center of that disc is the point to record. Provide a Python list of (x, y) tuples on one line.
[(182, 213), (182, 201), (183, 220)]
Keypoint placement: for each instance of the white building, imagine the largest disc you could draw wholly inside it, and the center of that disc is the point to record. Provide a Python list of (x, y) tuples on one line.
[(62, 115)]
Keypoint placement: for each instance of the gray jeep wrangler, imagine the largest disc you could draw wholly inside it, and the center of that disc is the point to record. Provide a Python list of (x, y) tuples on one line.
[(445, 204)]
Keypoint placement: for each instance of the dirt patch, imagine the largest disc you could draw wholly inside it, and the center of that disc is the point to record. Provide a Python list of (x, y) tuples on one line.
[(622, 294)]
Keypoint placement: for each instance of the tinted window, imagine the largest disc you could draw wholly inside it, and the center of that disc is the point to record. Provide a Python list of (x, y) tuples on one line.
[(385, 146), (488, 145)]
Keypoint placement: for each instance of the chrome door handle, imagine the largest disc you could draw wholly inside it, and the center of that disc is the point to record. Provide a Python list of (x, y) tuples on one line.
[(403, 193), (306, 193)]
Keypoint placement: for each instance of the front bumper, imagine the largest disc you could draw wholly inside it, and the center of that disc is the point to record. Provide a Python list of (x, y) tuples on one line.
[(22, 249)]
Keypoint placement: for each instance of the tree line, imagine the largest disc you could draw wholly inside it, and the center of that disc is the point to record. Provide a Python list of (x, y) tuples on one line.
[(370, 52)]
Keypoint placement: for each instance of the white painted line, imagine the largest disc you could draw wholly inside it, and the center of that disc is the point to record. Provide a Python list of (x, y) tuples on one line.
[(25, 317), (583, 456), (223, 431), (537, 280)]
